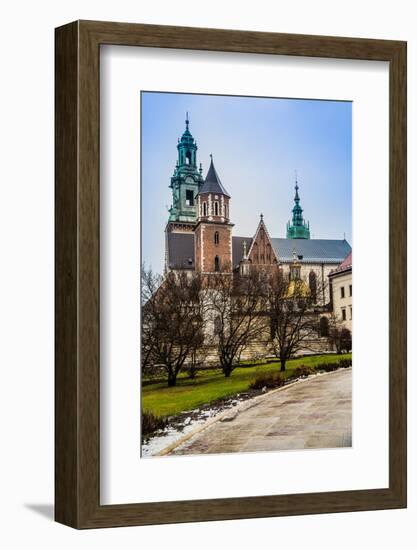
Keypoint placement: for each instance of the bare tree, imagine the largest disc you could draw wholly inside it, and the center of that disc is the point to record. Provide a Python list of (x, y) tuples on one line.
[(340, 337), (293, 322), (237, 311), (172, 320), (150, 282)]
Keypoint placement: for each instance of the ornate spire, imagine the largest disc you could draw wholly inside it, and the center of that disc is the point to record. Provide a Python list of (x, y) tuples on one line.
[(298, 229), (186, 179)]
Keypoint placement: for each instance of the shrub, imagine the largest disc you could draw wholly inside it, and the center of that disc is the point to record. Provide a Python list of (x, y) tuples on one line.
[(151, 423), (327, 367), (345, 363), (192, 371), (302, 371), (267, 381)]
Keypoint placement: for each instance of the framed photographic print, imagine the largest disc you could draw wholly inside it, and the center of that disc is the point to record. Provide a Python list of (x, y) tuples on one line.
[(230, 274)]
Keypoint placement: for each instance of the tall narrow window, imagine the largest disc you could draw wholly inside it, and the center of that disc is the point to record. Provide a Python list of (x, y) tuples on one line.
[(324, 326), (216, 264), (188, 157), (350, 290), (268, 253), (312, 283), (343, 314), (217, 325), (342, 291), (216, 208), (189, 197), (204, 209), (216, 238)]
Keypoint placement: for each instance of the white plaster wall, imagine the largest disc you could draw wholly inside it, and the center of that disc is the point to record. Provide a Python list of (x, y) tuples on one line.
[(321, 272), (340, 303)]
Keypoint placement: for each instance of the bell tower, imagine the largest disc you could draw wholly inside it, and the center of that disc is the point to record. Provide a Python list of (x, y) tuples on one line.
[(185, 184), (213, 232)]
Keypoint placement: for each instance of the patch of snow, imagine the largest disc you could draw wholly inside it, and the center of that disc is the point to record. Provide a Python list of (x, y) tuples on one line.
[(177, 429)]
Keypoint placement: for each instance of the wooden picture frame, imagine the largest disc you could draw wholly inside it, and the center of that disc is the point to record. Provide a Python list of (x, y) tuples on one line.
[(77, 403)]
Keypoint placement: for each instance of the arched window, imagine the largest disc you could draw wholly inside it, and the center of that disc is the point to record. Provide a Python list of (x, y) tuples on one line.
[(188, 157), (216, 237), (268, 253), (225, 211), (255, 253), (312, 283), (216, 208), (216, 264), (217, 325), (262, 234), (324, 326), (204, 209)]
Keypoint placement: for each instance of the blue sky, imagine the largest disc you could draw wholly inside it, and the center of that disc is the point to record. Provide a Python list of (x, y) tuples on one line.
[(257, 145)]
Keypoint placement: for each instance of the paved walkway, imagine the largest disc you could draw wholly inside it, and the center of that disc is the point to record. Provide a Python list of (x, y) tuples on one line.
[(315, 413)]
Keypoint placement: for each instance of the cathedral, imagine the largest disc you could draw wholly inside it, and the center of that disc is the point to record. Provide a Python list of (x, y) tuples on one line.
[(199, 233)]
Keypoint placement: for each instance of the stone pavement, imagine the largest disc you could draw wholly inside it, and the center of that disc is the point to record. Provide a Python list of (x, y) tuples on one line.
[(315, 413)]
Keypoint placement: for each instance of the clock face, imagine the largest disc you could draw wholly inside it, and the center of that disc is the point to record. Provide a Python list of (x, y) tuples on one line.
[(189, 180)]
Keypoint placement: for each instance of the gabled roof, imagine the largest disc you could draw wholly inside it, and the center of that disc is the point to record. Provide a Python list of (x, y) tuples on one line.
[(330, 251), (261, 225), (212, 183)]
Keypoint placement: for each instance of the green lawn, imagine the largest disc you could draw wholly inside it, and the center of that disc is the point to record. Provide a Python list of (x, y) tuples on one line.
[(211, 385)]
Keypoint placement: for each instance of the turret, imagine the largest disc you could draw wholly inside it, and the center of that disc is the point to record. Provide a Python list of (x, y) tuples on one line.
[(213, 232), (298, 229), (213, 199)]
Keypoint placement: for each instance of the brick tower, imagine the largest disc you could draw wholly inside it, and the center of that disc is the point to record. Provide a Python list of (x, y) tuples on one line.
[(213, 231)]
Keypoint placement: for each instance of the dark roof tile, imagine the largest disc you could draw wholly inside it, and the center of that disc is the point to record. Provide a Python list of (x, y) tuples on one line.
[(212, 183)]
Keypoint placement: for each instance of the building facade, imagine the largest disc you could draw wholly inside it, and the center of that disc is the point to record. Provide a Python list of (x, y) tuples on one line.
[(199, 231), (341, 291)]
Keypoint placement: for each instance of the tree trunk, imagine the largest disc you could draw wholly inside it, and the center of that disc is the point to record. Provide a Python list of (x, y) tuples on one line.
[(283, 362), (172, 379), (227, 369)]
